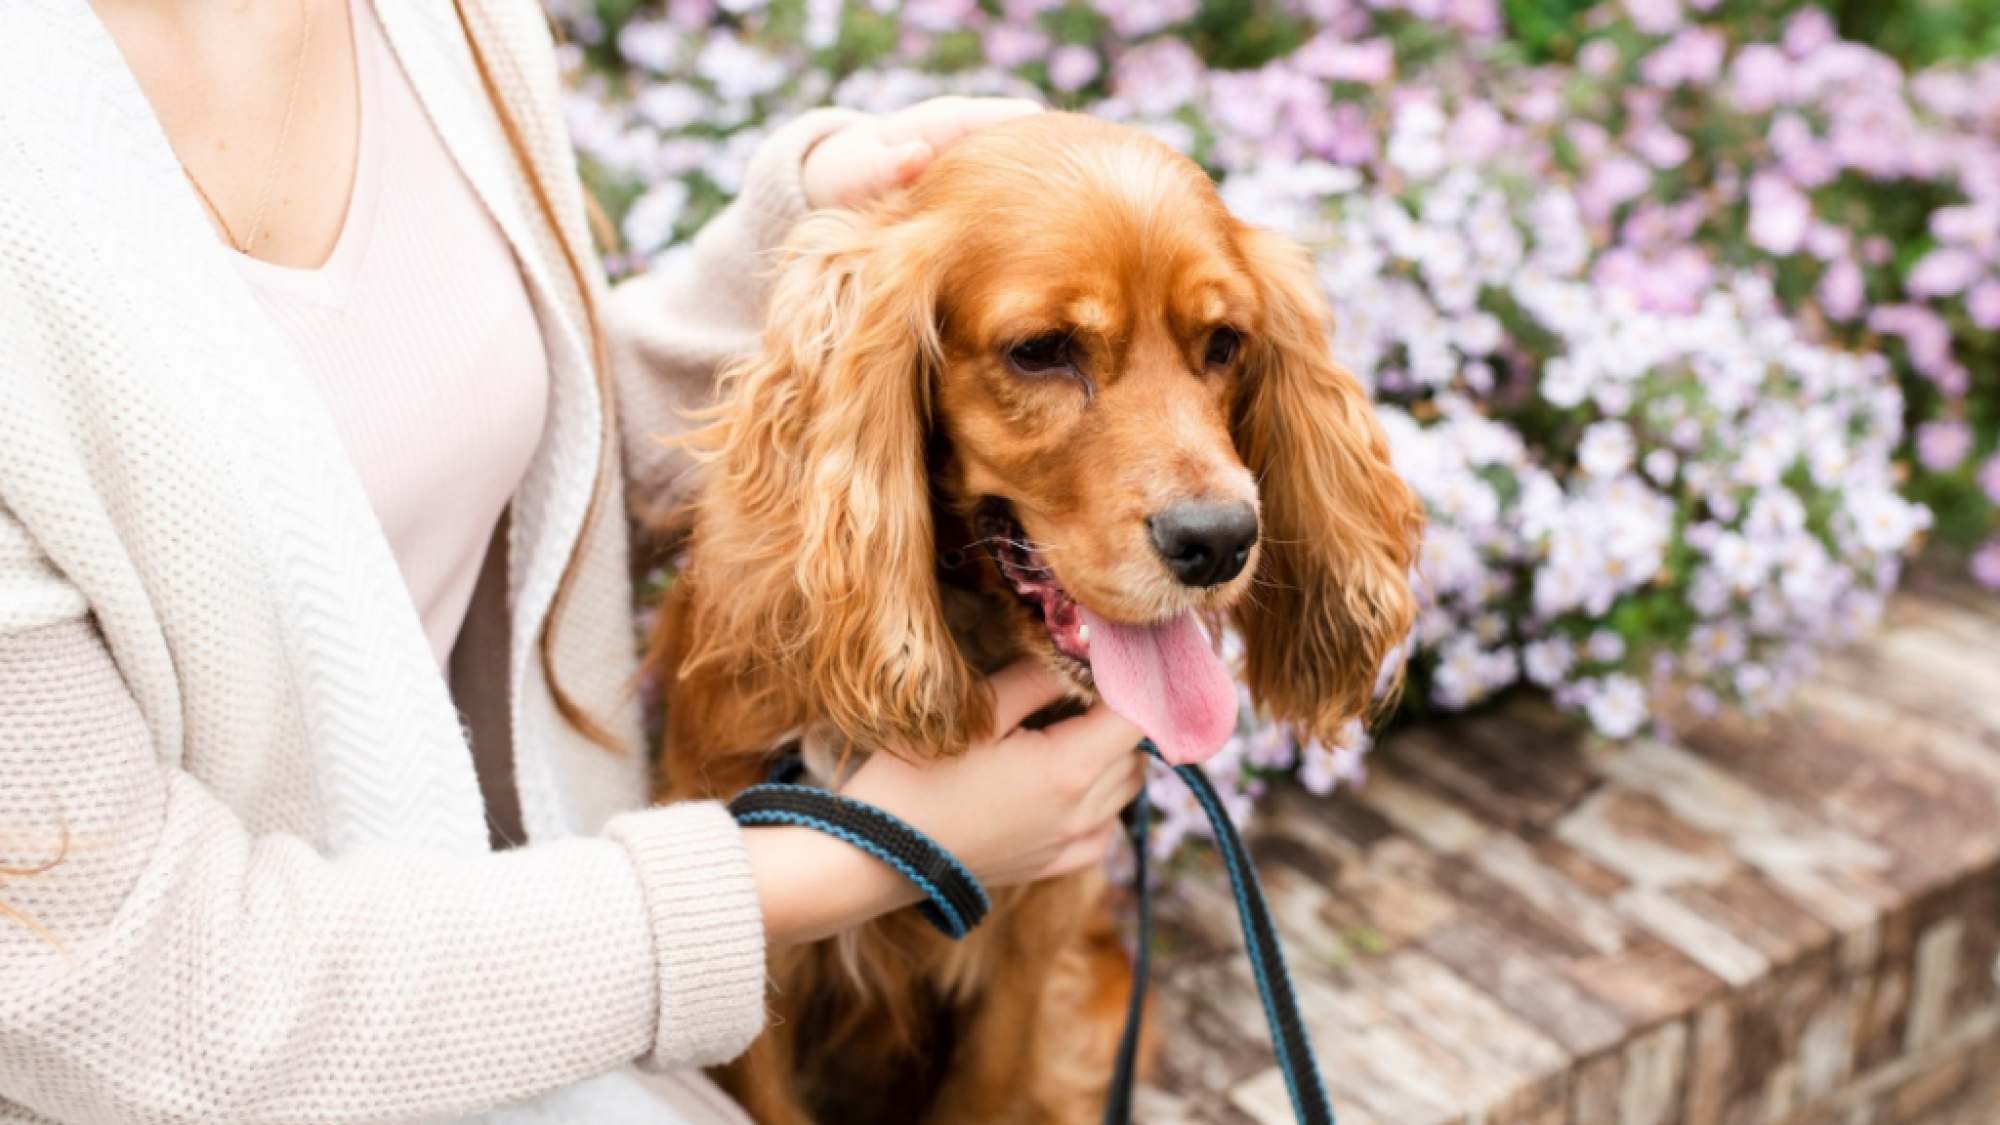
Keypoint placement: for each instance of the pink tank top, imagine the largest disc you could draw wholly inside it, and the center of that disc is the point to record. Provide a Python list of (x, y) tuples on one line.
[(420, 336)]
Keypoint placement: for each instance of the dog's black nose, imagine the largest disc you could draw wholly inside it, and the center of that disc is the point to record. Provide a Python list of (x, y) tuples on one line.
[(1204, 544)]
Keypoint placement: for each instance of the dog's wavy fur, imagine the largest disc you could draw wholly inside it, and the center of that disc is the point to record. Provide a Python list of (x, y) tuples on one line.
[(852, 448)]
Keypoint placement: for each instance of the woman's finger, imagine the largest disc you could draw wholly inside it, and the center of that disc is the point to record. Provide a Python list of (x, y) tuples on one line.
[(1113, 789), (1085, 852), (908, 161), (940, 121), (1021, 689), (1098, 734)]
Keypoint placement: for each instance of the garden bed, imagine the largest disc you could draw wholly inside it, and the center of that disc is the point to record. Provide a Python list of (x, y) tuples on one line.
[(1792, 919)]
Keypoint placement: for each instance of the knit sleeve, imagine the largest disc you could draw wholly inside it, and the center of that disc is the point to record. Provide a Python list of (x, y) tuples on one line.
[(672, 328), (159, 963)]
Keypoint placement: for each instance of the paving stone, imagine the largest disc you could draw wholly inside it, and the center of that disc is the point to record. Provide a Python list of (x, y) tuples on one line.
[(1792, 920)]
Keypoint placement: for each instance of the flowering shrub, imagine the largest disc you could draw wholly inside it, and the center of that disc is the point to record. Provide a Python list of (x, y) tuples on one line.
[(1682, 342)]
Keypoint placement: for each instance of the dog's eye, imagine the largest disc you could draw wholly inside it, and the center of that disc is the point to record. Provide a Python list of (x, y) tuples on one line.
[(1051, 351), (1222, 346)]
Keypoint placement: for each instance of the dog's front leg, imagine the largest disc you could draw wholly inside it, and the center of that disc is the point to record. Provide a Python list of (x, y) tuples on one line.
[(761, 1081), (993, 1066), (1039, 1047)]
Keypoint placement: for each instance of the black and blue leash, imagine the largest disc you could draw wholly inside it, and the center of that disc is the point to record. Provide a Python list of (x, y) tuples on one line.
[(954, 902), (1260, 940)]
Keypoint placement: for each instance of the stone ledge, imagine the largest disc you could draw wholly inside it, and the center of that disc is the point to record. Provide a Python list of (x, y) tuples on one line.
[(1786, 920)]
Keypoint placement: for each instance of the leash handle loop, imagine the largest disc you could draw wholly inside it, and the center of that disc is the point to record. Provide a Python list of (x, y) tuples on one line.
[(954, 902)]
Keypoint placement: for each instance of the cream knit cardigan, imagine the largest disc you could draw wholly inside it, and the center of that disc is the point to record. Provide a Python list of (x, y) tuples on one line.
[(276, 901)]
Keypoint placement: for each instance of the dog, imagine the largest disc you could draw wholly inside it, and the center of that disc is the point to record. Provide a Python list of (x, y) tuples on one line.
[(1051, 401)]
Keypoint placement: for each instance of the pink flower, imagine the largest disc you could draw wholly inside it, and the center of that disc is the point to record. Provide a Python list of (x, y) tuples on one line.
[(1159, 77), (1328, 56), (1943, 272), (1943, 446), (1590, 138), (1946, 93), (1008, 45), (1983, 306), (1011, 45), (1133, 18), (1654, 17), (1779, 214), (1348, 17), (1072, 67), (1016, 11), (1672, 281), (1925, 336), (1760, 78), (1663, 147), (1804, 157), (1352, 138), (1242, 102), (1539, 106), (695, 15), (1599, 57), (1613, 183), (1827, 241), (1876, 136), (1989, 478), (1986, 564), (1692, 58), (1842, 290), (1477, 133), (1971, 225), (1808, 31), (938, 15), (1479, 18)]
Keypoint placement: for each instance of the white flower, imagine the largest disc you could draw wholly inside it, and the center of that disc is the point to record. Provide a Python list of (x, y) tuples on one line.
[(738, 70), (1605, 646), (1884, 521), (1479, 333), (653, 44), (1716, 645), (1606, 449), (1565, 382), (1617, 706), (1660, 465), (1753, 683), (651, 220), (1322, 768), (1708, 593), (1775, 513), (1739, 561), (1416, 140), (1548, 661), (671, 106)]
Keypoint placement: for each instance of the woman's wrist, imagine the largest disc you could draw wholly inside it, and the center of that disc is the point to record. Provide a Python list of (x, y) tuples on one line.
[(813, 886)]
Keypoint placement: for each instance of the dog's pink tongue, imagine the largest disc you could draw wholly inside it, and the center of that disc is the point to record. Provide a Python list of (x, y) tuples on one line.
[(1167, 680)]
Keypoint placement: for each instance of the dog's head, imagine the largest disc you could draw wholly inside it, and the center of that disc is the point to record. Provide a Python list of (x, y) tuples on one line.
[(1061, 337)]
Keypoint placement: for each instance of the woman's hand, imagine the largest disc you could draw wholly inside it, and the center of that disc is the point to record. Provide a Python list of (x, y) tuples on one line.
[(874, 156), (1031, 804), (1025, 805)]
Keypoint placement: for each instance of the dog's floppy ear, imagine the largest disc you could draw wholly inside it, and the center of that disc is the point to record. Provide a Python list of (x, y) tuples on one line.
[(1332, 598), (815, 509)]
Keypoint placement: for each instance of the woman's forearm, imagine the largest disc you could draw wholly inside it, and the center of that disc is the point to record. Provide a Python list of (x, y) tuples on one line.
[(178, 965), (812, 886)]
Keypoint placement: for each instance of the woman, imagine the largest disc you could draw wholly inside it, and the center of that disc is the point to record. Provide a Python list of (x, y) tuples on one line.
[(313, 483)]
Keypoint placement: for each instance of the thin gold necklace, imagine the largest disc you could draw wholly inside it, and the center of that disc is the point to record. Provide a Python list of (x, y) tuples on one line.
[(244, 245)]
